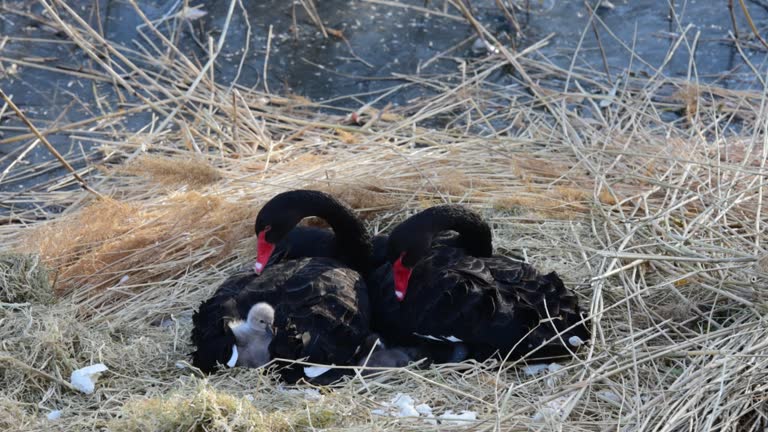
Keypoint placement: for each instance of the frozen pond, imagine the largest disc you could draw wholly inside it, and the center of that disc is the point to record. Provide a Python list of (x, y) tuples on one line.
[(366, 44)]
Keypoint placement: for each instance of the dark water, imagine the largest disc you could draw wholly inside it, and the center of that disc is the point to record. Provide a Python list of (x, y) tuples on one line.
[(380, 41)]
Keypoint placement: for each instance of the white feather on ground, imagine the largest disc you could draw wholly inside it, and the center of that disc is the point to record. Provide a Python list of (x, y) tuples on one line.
[(85, 379), (403, 405), (463, 418)]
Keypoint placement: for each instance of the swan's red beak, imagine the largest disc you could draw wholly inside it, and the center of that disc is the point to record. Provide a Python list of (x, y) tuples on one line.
[(263, 252), (401, 274)]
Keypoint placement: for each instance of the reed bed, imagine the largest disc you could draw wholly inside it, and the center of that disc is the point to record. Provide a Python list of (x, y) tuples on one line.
[(657, 222)]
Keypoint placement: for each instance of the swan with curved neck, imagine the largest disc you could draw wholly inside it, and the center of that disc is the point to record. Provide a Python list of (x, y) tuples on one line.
[(284, 211), (320, 299), (459, 291), (411, 241)]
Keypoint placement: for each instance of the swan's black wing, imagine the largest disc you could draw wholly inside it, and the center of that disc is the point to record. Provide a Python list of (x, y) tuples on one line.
[(324, 314), (453, 294), (549, 307), (437, 306), (321, 313)]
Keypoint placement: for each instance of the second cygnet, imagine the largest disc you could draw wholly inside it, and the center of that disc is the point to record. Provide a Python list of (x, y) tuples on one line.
[(254, 335), (383, 356)]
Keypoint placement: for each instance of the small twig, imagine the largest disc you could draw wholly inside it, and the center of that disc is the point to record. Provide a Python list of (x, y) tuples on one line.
[(649, 257), (21, 365), (423, 10), (48, 145), (752, 24), (294, 25), (246, 45), (733, 19), (510, 15), (15, 305), (309, 7), (442, 54), (672, 15), (340, 34), (266, 60), (236, 127), (599, 41), (631, 265), (18, 159)]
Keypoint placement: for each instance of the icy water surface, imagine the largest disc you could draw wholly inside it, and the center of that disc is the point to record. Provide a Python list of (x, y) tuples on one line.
[(381, 39)]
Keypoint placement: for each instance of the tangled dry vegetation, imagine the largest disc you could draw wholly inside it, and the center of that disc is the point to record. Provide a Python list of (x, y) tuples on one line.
[(658, 225)]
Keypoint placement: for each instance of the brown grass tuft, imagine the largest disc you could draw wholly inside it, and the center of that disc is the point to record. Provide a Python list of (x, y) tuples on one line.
[(368, 196), (23, 278), (689, 96), (109, 241), (206, 409), (548, 204), (14, 418), (192, 171)]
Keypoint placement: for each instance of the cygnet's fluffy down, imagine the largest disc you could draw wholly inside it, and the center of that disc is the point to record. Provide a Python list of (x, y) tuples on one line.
[(383, 356), (254, 335), (401, 356), (394, 357)]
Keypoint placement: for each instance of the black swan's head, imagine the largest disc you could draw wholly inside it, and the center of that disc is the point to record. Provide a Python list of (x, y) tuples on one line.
[(278, 216), (411, 241), (406, 247), (285, 210)]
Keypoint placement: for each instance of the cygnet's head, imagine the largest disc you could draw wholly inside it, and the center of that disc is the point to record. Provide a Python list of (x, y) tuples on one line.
[(261, 317)]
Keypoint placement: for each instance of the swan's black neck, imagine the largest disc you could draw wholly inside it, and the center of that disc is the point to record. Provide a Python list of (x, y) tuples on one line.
[(353, 244), (474, 233)]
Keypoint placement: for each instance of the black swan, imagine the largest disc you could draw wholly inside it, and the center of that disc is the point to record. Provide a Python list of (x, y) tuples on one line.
[(461, 292), (321, 305), (253, 336)]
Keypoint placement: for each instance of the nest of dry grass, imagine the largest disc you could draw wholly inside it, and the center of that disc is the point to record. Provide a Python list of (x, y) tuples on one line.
[(659, 228), (24, 279)]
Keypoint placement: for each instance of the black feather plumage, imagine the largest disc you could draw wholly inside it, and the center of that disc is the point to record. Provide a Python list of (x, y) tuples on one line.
[(492, 303), (313, 280)]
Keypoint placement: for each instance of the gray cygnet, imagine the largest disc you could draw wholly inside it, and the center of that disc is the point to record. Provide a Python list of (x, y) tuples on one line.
[(254, 335)]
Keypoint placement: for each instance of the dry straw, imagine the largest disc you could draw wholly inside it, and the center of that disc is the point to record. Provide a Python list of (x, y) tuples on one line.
[(659, 227)]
